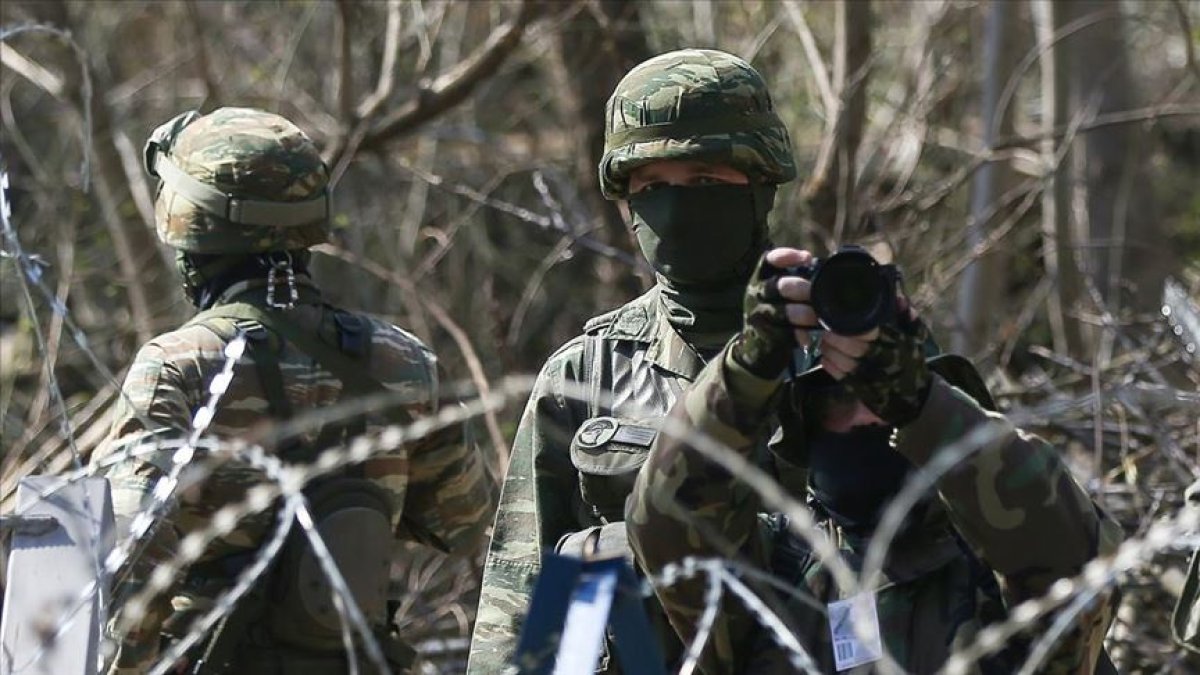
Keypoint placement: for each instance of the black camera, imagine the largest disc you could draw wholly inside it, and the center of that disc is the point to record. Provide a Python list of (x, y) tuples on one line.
[(851, 291)]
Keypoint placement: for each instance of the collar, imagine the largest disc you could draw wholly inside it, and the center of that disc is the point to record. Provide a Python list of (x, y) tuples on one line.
[(253, 292), (669, 351), (644, 320)]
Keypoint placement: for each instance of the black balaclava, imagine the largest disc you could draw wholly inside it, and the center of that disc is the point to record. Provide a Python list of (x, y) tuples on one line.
[(703, 241), (854, 474), (207, 276)]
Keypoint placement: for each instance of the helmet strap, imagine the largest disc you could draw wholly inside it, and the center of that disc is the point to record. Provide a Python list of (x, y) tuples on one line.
[(192, 277), (279, 263), (204, 276)]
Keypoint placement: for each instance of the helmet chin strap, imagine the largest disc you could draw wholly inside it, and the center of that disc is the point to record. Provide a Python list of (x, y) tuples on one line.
[(205, 276), (280, 262)]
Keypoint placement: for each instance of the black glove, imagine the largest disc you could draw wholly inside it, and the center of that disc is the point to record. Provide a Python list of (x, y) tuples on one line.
[(764, 347), (891, 378)]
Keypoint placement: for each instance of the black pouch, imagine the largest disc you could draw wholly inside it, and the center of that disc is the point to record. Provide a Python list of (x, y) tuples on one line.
[(607, 452)]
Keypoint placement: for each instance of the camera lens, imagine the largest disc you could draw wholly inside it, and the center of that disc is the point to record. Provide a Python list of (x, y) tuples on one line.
[(848, 292)]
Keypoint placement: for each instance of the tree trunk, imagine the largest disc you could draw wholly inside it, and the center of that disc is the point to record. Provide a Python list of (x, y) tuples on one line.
[(985, 278), (1128, 245), (143, 275), (1058, 242), (829, 191), (599, 43)]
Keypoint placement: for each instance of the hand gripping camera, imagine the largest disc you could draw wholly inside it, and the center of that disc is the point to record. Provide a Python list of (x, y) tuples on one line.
[(851, 291)]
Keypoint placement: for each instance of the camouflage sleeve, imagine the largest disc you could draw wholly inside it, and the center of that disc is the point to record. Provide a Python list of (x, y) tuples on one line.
[(153, 405), (1017, 505), (153, 398), (450, 493), (536, 509), (683, 504)]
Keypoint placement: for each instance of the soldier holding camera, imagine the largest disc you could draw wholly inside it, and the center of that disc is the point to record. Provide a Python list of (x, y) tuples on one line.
[(1005, 523), (693, 152)]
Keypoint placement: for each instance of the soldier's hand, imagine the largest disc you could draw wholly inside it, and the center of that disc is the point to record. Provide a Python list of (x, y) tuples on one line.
[(776, 312), (886, 368)]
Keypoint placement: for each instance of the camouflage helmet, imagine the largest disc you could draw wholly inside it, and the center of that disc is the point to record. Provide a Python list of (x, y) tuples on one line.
[(693, 104), (237, 180)]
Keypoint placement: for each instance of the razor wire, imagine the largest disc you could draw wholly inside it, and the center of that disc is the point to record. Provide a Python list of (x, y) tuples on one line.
[(361, 448), (1084, 588), (85, 87), (1096, 576), (142, 525), (712, 601), (733, 462), (31, 270), (289, 482)]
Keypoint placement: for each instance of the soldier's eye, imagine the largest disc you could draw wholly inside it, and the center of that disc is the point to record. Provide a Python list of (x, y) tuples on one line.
[(648, 187)]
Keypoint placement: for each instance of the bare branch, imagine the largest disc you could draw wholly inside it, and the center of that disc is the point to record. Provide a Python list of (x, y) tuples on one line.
[(1002, 150), (212, 91), (387, 68), (32, 71), (1010, 88), (131, 161), (1105, 120), (343, 81), (445, 92), (1185, 26), (829, 188), (470, 356), (809, 43)]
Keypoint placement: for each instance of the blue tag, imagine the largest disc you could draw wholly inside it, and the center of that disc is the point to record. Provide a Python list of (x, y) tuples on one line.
[(574, 601)]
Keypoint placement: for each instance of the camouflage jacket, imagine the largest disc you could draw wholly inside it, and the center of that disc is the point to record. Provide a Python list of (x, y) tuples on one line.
[(439, 486), (1014, 504), (635, 355), (1185, 622)]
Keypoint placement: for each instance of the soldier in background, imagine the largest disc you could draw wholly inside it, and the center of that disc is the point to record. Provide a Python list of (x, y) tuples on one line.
[(1185, 621), (1004, 525), (242, 196), (695, 150)]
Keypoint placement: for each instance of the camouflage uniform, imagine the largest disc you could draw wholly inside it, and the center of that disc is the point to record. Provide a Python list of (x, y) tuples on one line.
[(1012, 508), (645, 363), (563, 492), (439, 489), (1185, 622)]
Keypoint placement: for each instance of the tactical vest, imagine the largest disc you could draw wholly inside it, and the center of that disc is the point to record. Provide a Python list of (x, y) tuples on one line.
[(288, 623), (627, 397), (930, 562)]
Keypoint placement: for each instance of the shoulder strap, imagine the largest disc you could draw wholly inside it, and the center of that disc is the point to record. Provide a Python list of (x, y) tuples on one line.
[(270, 374), (352, 374), (266, 361), (592, 373)]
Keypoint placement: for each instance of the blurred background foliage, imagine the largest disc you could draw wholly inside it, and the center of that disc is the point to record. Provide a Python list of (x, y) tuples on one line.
[(1033, 166)]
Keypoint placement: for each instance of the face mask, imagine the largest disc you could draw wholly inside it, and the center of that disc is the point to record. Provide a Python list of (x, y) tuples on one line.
[(702, 235), (855, 473)]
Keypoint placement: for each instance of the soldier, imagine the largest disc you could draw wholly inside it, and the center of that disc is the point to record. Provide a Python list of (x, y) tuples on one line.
[(242, 196), (694, 148), (1185, 621), (1005, 524)]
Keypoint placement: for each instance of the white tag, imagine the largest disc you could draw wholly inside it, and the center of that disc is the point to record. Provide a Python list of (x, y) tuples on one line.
[(587, 617), (848, 649)]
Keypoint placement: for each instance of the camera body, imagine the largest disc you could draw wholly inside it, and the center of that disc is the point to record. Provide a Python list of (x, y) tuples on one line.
[(851, 291)]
